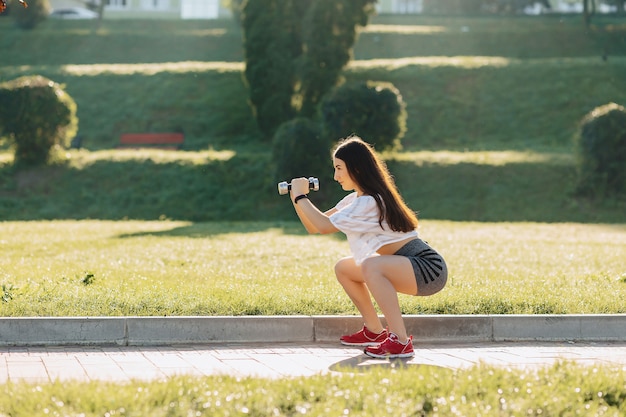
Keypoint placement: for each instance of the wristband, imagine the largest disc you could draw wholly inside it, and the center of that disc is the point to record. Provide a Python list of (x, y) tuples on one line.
[(300, 197)]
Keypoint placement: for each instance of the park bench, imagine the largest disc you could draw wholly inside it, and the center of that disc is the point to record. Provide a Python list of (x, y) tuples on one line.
[(169, 141)]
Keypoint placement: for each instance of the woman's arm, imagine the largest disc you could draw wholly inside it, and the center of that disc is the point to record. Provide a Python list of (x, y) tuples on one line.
[(312, 218), (308, 225)]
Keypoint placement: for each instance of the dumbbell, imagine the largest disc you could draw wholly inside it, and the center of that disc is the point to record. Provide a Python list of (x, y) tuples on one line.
[(284, 186)]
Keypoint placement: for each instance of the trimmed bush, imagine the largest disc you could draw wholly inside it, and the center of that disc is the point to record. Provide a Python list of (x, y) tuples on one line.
[(329, 34), (295, 51), (271, 44), (37, 115), (29, 17), (374, 111), (601, 152), (300, 150)]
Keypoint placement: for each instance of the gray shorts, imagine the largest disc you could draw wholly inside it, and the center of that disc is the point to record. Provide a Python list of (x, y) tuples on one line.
[(431, 271)]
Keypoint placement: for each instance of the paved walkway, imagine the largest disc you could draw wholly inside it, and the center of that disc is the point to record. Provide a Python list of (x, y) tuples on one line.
[(125, 363)]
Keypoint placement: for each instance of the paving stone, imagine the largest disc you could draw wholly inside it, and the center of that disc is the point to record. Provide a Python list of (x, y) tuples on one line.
[(280, 360)]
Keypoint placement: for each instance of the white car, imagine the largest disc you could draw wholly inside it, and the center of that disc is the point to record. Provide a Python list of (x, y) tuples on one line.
[(73, 13)]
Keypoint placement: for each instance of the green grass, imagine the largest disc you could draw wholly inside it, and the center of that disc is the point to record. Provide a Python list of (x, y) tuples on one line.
[(560, 390), (58, 42), (507, 86), (105, 268), (512, 37), (239, 184)]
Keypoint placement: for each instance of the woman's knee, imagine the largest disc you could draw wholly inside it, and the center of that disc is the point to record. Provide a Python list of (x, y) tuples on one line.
[(370, 269), (345, 269)]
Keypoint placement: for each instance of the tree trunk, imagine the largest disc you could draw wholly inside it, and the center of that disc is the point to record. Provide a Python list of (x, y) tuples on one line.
[(101, 11), (586, 13)]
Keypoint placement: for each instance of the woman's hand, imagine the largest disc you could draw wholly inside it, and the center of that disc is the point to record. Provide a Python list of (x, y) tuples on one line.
[(313, 220), (299, 186)]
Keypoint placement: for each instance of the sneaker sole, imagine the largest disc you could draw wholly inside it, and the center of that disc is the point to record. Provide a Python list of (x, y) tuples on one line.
[(360, 344), (390, 356)]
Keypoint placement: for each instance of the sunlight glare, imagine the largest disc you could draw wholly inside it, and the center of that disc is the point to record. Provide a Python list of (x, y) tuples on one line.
[(492, 158), (83, 159), (152, 68), (432, 61), (208, 32), (5, 158), (404, 29)]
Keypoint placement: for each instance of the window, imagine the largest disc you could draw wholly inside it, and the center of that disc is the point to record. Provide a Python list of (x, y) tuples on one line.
[(407, 6), (155, 4), (117, 4)]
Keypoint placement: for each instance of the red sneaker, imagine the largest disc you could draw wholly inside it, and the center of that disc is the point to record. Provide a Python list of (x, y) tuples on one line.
[(364, 338), (391, 348)]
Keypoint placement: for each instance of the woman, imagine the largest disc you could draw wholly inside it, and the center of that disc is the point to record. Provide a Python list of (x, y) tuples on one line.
[(387, 256)]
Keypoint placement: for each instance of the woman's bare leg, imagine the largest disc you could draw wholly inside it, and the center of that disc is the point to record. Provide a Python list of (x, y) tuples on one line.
[(385, 277), (351, 279)]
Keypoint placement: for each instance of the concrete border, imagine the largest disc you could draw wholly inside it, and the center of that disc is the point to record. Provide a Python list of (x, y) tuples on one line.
[(143, 331)]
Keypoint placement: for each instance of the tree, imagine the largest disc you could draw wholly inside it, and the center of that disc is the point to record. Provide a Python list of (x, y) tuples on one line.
[(589, 8), (294, 53), (100, 11)]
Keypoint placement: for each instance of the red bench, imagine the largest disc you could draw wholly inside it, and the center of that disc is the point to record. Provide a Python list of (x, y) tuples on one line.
[(169, 141)]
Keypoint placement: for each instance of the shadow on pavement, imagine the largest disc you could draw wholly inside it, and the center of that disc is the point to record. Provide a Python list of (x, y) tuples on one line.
[(363, 363)]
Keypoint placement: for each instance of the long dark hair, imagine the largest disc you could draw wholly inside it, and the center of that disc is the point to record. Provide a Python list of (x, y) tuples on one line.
[(370, 172)]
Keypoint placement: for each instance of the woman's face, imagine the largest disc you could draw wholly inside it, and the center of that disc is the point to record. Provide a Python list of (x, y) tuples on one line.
[(342, 176)]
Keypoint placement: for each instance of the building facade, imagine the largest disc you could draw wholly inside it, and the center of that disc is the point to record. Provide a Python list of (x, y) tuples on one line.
[(165, 9)]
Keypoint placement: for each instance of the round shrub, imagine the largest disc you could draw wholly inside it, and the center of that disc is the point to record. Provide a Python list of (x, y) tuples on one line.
[(374, 111), (29, 17), (601, 152), (300, 150), (36, 115)]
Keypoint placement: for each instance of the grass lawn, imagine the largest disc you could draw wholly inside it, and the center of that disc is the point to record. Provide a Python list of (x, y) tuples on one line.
[(560, 390), (117, 268)]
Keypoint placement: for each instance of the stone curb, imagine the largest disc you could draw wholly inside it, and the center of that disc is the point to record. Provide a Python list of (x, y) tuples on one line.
[(144, 331)]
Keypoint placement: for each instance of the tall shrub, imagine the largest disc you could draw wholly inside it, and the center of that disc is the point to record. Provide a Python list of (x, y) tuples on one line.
[(329, 34), (272, 43), (373, 110), (37, 115), (601, 152), (294, 53)]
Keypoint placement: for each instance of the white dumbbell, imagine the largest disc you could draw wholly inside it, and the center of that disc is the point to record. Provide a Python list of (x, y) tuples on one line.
[(284, 186)]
